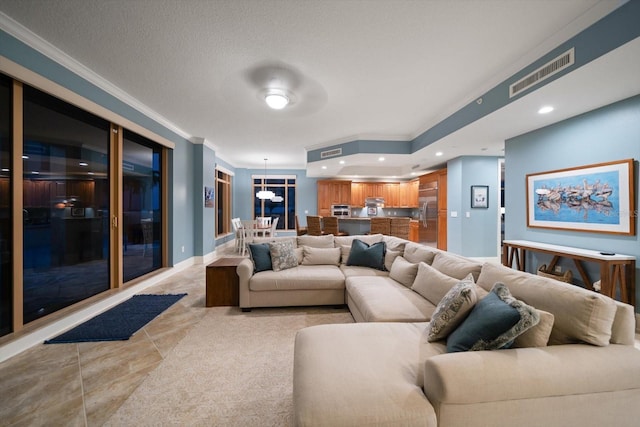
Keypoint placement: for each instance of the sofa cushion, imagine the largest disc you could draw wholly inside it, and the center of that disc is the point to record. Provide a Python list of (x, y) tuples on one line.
[(354, 270), (302, 277), (456, 266), (432, 284), (538, 336), (493, 323), (260, 254), (321, 256), (369, 239), (403, 272), (580, 315), (452, 309), (365, 255), (316, 241), (381, 299), (362, 374), (283, 255), (395, 243), (389, 257), (414, 252)]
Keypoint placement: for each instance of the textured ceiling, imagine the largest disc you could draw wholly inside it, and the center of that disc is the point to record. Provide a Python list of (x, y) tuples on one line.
[(371, 69)]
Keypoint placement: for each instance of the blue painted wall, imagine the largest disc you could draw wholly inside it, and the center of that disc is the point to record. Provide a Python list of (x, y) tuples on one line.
[(606, 134), (476, 235)]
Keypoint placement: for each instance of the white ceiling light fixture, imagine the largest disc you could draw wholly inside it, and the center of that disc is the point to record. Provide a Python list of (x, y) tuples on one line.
[(277, 99), (439, 153), (545, 110), (265, 194)]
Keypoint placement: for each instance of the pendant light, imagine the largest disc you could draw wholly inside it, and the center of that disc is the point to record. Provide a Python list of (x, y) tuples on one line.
[(265, 194)]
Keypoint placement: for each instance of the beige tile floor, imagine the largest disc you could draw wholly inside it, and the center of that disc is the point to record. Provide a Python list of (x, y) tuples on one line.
[(84, 384)]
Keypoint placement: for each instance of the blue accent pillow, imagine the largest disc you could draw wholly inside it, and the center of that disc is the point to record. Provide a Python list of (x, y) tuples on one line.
[(261, 256), (495, 321), (363, 255)]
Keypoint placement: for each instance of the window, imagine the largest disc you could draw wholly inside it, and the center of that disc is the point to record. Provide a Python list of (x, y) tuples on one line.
[(283, 205), (223, 199)]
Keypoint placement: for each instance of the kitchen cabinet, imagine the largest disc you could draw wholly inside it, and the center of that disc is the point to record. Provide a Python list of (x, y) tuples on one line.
[(332, 192), (414, 231), (408, 194), (391, 194), (357, 194)]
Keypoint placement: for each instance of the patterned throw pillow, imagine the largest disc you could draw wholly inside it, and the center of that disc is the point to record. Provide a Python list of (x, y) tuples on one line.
[(494, 323), (283, 255), (452, 309)]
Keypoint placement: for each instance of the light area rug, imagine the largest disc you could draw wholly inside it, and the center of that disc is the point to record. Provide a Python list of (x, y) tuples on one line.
[(232, 369)]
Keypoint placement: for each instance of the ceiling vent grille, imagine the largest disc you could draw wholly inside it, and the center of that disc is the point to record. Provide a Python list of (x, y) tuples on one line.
[(552, 67), (331, 153)]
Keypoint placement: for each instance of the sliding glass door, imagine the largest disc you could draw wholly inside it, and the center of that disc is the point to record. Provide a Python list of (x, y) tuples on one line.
[(141, 205), (6, 293), (65, 204)]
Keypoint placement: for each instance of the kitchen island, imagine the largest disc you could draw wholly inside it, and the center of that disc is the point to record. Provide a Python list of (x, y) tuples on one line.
[(356, 225)]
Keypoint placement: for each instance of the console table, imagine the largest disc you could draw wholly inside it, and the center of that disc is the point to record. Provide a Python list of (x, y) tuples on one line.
[(615, 270), (223, 283)]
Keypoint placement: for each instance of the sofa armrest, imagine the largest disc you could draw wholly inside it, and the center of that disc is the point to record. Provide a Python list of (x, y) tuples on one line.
[(524, 373), (245, 271)]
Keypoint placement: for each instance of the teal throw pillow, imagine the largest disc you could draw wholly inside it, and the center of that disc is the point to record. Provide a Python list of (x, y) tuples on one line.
[(261, 256), (363, 255), (495, 321)]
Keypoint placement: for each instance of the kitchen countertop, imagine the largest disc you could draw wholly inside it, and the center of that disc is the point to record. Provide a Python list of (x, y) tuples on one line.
[(366, 218)]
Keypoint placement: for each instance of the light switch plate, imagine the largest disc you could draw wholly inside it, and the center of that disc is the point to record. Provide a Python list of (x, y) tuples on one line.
[(454, 214)]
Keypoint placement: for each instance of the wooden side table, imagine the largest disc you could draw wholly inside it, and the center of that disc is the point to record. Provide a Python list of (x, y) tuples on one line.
[(223, 283)]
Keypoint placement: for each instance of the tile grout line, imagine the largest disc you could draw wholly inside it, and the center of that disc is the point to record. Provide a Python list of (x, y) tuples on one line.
[(84, 404)]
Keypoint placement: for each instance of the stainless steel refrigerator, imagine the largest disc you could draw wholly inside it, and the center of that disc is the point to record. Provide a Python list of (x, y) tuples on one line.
[(428, 202)]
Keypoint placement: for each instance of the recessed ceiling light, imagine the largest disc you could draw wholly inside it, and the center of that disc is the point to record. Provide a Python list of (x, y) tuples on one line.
[(381, 159), (439, 153), (546, 109), (341, 162), (324, 167), (413, 173)]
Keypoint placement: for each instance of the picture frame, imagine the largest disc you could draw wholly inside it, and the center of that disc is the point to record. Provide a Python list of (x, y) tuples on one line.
[(208, 197), (597, 198), (479, 196), (77, 212)]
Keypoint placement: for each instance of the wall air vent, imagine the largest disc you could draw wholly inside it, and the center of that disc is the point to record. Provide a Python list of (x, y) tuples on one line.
[(547, 70), (331, 153)]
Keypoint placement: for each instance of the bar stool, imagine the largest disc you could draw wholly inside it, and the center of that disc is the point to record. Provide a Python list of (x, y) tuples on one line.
[(400, 227), (314, 225), (331, 226), (380, 225)]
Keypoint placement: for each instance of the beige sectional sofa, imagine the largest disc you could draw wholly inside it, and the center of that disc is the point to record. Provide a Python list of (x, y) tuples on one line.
[(577, 367)]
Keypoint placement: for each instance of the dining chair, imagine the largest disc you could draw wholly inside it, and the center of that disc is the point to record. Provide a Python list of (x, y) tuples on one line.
[(400, 227), (314, 225), (300, 231), (380, 225), (331, 225), (272, 231), (249, 227), (237, 230)]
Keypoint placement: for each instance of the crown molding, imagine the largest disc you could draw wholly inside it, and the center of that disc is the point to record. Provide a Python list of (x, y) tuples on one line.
[(26, 36)]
